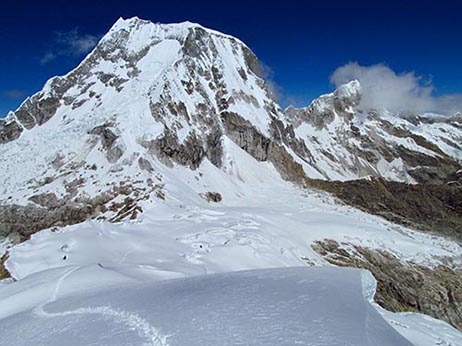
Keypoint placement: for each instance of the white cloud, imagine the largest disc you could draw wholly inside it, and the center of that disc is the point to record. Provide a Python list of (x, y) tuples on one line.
[(451, 102), (406, 92), (76, 43), (47, 57), (70, 43)]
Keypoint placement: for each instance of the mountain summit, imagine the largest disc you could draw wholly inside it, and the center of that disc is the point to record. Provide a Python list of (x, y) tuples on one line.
[(169, 91)]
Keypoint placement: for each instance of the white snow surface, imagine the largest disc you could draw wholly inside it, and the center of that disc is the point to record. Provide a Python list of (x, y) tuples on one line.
[(262, 221), (285, 306)]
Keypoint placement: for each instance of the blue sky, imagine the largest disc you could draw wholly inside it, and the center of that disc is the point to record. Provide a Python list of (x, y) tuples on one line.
[(302, 43)]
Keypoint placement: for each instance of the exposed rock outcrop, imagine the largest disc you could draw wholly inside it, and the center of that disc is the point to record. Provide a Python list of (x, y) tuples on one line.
[(403, 286), (168, 148), (9, 131), (212, 196), (4, 274), (428, 207), (38, 110), (246, 136), (118, 202), (20, 222), (262, 148), (109, 143)]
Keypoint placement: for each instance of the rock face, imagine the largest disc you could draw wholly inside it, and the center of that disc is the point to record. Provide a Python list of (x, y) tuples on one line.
[(246, 136), (19, 222), (38, 110), (190, 153), (9, 131), (427, 207), (404, 286), (108, 141), (4, 274)]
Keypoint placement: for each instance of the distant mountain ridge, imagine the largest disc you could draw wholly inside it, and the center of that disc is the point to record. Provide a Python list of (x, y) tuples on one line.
[(351, 142)]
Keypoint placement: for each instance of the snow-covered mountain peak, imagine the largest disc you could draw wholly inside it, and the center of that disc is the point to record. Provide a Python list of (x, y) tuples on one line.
[(349, 94), (341, 101), (329, 109), (160, 58), (349, 142), (135, 34), (137, 26), (148, 94)]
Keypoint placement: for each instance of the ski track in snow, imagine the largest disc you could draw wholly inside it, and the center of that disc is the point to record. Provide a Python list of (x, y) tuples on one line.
[(54, 296), (130, 320), (128, 252)]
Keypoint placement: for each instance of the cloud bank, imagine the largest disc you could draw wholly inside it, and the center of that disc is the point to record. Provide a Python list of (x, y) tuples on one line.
[(401, 93), (70, 43)]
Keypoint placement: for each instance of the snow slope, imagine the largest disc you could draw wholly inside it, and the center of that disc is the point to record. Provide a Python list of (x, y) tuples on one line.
[(262, 221), (315, 306), (285, 306)]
